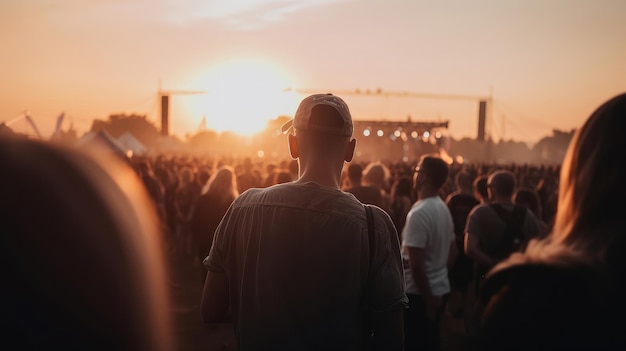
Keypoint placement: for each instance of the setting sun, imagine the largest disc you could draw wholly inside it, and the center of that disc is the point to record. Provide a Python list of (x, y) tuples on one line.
[(241, 96)]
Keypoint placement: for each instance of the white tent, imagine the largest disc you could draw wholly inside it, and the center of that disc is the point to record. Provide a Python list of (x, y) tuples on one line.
[(130, 143), (101, 140)]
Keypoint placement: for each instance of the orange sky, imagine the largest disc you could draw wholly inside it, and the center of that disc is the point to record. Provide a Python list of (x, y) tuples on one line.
[(546, 63)]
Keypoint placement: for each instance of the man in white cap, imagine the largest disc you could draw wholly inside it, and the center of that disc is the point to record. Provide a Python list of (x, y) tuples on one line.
[(293, 264)]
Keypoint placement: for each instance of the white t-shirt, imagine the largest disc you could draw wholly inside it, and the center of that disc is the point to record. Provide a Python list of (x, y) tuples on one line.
[(429, 226)]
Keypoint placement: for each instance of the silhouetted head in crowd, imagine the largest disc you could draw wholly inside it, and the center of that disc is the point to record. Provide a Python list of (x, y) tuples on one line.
[(501, 185), (355, 173), (403, 186), (480, 188), (81, 264), (377, 174), (224, 182), (464, 182), (529, 198)]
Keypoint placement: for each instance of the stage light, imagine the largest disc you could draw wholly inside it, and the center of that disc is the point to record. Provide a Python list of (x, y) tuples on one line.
[(366, 132), (380, 133)]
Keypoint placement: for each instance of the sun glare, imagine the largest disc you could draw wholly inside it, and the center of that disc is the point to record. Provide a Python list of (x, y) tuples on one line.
[(242, 96)]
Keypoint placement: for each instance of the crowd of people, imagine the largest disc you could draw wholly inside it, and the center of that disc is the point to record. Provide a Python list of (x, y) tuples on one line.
[(285, 252)]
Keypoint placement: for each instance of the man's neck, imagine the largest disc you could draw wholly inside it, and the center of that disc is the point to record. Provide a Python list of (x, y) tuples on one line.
[(321, 177), (502, 200), (427, 192)]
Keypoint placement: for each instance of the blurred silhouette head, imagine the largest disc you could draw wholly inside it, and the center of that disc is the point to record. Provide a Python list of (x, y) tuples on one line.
[(224, 181), (355, 173), (82, 264), (463, 181), (501, 184), (592, 179), (403, 186), (480, 188), (377, 174), (528, 197)]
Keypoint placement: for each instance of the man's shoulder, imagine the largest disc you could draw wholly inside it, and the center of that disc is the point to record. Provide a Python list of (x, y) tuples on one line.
[(378, 212), (301, 195), (433, 202), (366, 194), (482, 209), (460, 198)]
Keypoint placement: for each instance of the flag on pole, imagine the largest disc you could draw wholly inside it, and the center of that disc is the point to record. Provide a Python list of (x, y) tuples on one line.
[(57, 128)]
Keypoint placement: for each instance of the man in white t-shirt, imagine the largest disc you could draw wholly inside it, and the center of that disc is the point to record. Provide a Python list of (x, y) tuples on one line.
[(290, 262), (428, 249)]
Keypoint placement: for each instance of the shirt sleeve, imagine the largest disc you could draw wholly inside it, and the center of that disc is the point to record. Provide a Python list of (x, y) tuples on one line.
[(215, 261), (415, 232), (472, 226), (387, 289)]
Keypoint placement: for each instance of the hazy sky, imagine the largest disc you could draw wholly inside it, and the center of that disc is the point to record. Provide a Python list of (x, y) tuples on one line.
[(546, 63)]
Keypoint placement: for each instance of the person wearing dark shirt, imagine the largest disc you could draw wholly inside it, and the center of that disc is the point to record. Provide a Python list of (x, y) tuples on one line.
[(367, 194), (460, 203)]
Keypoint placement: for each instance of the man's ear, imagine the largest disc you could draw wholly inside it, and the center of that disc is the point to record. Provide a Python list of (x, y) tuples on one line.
[(350, 150), (293, 147)]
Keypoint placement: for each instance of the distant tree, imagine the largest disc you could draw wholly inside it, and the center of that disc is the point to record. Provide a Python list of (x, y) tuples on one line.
[(5, 130), (69, 137), (271, 140), (551, 149), (471, 150), (204, 140), (138, 125), (511, 151), (274, 125), (229, 143)]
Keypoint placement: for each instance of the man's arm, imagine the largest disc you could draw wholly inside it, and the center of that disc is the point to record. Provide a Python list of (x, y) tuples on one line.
[(388, 330), (215, 298), (473, 251), (418, 271), (452, 254)]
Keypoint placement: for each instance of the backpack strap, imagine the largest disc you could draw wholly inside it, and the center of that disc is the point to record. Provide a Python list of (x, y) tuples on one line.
[(370, 233), (370, 236), (514, 222), (518, 214)]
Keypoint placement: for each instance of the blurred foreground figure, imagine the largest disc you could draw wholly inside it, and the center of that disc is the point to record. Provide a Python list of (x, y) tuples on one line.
[(81, 261), (294, 261), (567, 291)]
